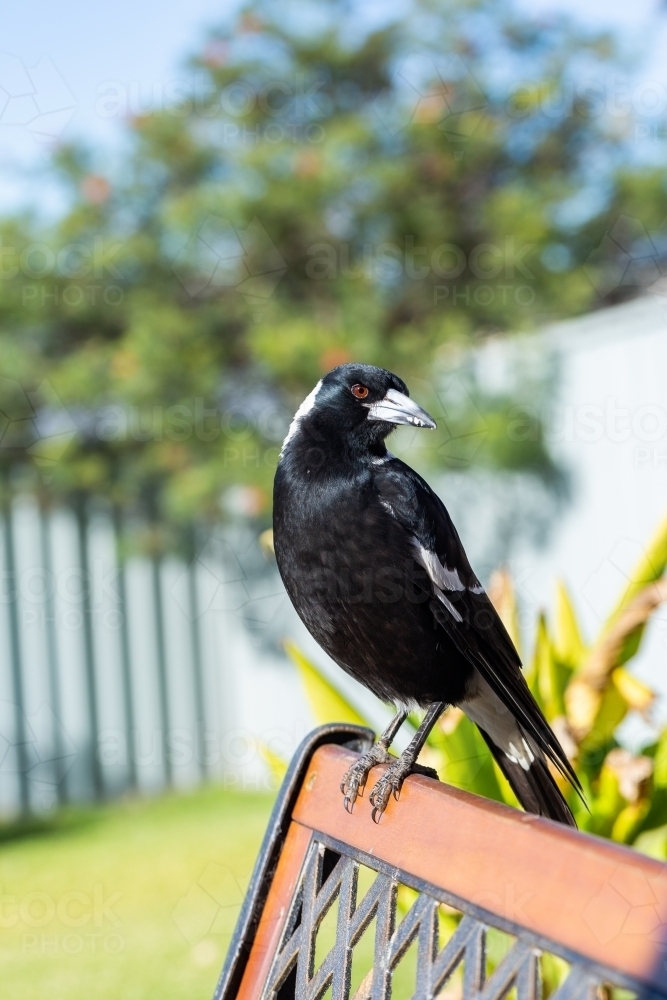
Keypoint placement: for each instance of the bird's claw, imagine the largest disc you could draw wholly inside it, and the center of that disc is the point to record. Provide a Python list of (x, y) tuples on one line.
[(354, 779), (391, 783)]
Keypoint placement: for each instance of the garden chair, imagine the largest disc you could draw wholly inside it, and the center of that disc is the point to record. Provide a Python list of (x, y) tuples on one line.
[(450, 896)]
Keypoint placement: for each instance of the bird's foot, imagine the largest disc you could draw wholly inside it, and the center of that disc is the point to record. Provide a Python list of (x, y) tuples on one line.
[(392, 780), (354, 779)]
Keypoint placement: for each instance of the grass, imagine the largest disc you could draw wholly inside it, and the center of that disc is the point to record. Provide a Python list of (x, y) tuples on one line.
[(135, 900)]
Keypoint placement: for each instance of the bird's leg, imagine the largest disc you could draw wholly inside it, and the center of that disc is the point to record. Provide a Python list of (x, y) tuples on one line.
[(392, 780), (354, 779)]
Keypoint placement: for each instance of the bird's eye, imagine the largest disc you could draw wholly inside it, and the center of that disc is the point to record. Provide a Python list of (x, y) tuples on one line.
[(359, 391)]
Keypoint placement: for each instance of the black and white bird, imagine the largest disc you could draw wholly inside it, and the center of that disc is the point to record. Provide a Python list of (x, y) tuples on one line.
[(376, 571)]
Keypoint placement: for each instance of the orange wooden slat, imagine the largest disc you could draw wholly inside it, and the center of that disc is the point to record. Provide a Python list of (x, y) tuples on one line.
[(275, 912), (604, 902)]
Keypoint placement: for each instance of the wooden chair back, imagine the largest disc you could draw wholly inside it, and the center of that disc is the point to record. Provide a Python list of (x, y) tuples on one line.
[(449, 896)]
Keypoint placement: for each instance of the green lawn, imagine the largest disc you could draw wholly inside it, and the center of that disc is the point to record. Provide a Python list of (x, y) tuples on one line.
[(132, 901)]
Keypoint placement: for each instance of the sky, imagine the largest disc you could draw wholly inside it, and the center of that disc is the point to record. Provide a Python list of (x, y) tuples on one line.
[(60, 62)]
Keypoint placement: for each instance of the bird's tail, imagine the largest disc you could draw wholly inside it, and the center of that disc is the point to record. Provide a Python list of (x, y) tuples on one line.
[(533, 785), (518, 752)]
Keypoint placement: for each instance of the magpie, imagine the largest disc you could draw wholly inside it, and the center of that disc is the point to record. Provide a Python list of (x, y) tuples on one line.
[(376, 571)]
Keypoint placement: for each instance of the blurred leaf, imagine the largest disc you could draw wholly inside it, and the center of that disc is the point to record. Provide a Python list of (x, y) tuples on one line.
[(502, 596), (660, 761), (540, 654), (277, 766), (266, 543), (638, 696), (549, 676), (617, 643), (649, 568), (657, 813), (622, 632), (568, 644), (466, 760), (611, 710), (555, 971), (606, 805), (629, 820), (653, 843), (327, 704)]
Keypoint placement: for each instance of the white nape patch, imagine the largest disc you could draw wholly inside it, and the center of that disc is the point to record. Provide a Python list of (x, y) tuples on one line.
[(304, 409), (381, 459), (484, 707)]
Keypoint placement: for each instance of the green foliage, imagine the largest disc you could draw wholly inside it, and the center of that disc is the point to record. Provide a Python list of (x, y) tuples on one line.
[(299, 206), (626, 793), (649, 569), (324, 699)]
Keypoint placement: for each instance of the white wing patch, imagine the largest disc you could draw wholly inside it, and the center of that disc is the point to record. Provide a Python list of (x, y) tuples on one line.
[(441, 577), (448, 604), (304, 409), (444, 578), (484, 707)]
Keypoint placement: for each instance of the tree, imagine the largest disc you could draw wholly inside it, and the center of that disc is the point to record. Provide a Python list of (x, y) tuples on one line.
[(322, 192)]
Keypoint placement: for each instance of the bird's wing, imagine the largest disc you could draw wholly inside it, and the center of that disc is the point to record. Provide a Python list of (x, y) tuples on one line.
[(460, 604)]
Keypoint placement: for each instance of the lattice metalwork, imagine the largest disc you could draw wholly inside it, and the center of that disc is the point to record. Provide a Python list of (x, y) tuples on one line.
[(454, 960)]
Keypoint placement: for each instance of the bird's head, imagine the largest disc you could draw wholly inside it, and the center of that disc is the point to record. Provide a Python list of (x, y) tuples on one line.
[(358, 405)]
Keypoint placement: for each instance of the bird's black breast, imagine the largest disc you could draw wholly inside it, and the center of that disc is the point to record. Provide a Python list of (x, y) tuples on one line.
[(348, 566)]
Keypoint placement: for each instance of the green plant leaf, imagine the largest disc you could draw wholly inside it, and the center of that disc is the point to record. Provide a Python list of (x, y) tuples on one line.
[(653, 843), (612, 710), (606, 804), (568, 643), (327, 704), (649, 568), (660, 761), (639, 696), (502, 596), (277, 766), (466, 760), (629, 821), (550, 676), (540, 652)]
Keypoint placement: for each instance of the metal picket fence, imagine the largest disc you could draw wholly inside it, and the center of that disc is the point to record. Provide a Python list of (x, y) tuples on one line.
[(114, 658)]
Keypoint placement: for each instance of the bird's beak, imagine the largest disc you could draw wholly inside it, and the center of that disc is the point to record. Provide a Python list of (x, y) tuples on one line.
[(396, 408)]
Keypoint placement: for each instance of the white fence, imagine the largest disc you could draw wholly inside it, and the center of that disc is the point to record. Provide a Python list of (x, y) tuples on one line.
[(115, 672)]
